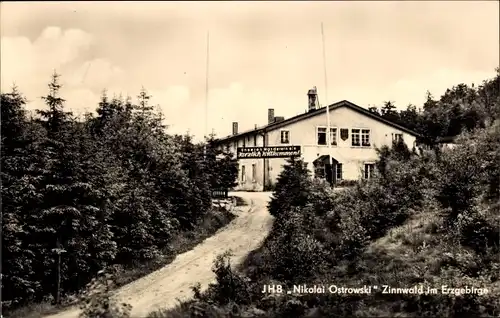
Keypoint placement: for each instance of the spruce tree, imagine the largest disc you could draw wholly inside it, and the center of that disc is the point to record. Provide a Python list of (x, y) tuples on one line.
[(292, 188)]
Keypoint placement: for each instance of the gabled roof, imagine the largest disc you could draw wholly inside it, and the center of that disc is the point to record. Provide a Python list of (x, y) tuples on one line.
[(319, 111)]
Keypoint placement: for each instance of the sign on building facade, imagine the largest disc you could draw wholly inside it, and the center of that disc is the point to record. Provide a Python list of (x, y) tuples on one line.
[(268, 152)]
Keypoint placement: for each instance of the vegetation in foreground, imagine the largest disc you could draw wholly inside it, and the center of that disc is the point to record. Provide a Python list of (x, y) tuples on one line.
[(427, 219), (112, 190)]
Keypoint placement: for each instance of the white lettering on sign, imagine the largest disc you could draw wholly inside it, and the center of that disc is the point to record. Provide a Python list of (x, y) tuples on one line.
[(268, 152)]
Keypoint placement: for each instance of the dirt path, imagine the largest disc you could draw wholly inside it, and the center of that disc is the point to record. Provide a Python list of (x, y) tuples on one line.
[(163, 288)]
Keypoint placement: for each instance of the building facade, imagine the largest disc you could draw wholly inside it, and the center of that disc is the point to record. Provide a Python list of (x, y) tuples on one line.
[(355, 133)]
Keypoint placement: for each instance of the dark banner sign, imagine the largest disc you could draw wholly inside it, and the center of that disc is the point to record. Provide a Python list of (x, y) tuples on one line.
[(268, 152)]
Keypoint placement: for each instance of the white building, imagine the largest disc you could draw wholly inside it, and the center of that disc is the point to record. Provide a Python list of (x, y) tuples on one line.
[(355, 135)]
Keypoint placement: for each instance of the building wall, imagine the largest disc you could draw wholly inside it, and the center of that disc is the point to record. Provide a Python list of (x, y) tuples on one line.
[(304, 133), (249, 182)]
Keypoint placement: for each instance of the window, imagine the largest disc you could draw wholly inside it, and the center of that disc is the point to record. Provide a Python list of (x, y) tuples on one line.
[(244, 142), (243, 174), (355, 136), (322, 136), (339, 171), (254, 172), (397, 137), (285, 136), (369, 168), (333, 136), (365, 138), (255, 140)]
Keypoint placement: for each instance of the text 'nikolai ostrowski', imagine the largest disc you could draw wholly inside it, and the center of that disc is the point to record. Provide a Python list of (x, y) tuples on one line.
[(369, 289)]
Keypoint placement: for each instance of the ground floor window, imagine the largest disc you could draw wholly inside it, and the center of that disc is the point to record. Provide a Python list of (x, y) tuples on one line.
[(243, 174), (369, 169), (339, 171), (254, 172), (397, 137)]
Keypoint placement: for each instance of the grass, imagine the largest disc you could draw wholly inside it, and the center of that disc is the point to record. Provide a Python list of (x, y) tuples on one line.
[(414, 253), (418, 252), (185, 241)]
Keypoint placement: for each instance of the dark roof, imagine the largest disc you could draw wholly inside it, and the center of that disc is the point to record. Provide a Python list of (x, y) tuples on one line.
[(325, 159), (344, 103)]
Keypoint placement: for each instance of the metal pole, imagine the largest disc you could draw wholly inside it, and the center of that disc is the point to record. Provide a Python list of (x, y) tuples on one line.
[(206, 96), (327, 106)]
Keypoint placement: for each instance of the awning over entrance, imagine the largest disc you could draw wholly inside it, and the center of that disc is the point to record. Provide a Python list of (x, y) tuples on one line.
[(324, 160), (323, 169)]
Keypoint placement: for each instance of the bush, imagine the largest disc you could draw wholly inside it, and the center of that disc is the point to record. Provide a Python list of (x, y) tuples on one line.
[(229, 287), (296, 254), (96, 302)]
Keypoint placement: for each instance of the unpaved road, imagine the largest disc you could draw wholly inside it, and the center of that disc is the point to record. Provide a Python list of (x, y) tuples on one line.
[(163, 288)]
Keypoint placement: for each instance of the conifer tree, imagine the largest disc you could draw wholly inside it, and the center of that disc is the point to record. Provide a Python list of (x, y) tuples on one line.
[(292, 188)]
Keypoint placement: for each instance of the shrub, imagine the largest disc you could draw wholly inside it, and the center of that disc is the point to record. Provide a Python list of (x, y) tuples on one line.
[(229, 287), (96, 302), (296, 254)]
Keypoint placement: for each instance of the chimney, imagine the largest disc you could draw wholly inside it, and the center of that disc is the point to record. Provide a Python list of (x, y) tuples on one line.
[(277, 119), (312, 96), (270, 115), (235, 128)]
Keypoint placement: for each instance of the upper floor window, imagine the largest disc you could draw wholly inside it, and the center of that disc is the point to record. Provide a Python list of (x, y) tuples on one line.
[(244, 142), (397, 137), (355, 137), (360, 137), (255, 140), (333, 136), (322, 138), (285, 136), (365, 137)]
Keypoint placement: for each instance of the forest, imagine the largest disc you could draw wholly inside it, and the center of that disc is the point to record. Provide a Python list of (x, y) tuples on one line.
[(111, 189)]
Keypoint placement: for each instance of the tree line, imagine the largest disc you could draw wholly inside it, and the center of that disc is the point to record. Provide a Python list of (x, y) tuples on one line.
[(79, 195), (460, 108)]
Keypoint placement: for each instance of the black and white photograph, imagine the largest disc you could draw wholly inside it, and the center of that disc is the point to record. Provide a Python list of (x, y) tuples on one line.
[(250, 159)]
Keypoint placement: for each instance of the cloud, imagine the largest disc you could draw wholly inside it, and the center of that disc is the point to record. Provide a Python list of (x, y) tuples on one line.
[(26, 62), (97, 74), (29, 64)]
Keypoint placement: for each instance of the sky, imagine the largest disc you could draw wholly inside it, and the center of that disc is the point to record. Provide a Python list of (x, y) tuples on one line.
[(262, 54)]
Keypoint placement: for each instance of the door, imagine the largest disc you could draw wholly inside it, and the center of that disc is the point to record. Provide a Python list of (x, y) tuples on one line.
[(331, 173)]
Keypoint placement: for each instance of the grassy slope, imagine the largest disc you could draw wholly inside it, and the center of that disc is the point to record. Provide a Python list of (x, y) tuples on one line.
[(215, 220), (414, 253)]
